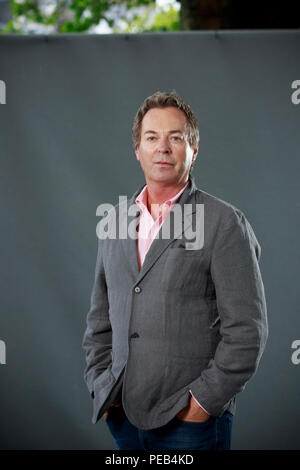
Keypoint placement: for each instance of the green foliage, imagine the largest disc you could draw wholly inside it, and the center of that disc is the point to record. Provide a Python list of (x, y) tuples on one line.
[(67, 16), (150, 21), (166, 21)]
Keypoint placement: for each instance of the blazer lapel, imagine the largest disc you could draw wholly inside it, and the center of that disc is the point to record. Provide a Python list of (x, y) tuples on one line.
[(159, 244), (130, 218), (176, 227)]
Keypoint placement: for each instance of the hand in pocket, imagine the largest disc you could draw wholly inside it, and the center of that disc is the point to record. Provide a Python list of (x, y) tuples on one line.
[(116, 405), (193, 413)]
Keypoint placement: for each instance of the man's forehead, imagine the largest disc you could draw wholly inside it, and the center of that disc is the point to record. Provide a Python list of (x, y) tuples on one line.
[(164, 120)]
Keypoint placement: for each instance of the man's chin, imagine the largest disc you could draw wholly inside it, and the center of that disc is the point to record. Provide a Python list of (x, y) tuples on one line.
[(166, 179), (163, 179)]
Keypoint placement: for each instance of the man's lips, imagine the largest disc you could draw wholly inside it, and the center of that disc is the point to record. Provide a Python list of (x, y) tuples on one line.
[(164, 163)]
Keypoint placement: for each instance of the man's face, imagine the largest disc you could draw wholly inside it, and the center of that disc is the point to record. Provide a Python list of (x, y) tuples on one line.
[(164, 152)]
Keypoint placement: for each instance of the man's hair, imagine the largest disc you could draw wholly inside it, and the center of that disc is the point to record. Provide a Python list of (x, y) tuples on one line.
[(165, 100)]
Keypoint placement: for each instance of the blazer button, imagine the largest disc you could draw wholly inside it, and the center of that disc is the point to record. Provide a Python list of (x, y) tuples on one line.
[(137, 289), (134, 335)]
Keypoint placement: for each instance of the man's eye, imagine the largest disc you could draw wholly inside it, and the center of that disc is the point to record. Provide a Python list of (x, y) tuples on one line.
[(150, 138), (176, 138)]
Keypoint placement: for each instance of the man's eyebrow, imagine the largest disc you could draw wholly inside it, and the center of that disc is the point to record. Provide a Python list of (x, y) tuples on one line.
[(170, 132)]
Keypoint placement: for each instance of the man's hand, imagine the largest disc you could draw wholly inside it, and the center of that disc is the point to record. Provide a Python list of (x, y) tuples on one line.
[(193, 412), (105, 414)]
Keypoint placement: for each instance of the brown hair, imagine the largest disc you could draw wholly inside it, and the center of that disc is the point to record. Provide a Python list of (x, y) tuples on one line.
[(164, 100)]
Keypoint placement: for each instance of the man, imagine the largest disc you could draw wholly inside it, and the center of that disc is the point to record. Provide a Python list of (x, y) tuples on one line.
[(176, 327)]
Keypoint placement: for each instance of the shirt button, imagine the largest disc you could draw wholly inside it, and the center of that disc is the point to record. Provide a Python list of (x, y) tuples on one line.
[(137, 289)]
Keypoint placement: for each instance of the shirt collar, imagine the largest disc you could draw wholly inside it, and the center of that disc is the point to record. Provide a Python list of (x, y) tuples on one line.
[(141, 199)]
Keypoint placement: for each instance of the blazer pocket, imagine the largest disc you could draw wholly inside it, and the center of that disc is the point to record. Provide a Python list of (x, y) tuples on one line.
[(184, 269), (183, 251)]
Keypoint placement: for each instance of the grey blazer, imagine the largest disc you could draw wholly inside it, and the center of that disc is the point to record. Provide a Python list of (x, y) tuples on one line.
[(189, 320)]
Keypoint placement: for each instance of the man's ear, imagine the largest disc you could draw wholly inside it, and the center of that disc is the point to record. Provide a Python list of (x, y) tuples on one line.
[(195, 150), (137, 153)]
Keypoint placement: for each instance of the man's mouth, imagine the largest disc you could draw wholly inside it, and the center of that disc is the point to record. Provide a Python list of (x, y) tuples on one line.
[(163, 163)]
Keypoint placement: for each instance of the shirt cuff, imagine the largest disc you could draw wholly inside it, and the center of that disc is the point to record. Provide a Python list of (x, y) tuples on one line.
[(198, 402)]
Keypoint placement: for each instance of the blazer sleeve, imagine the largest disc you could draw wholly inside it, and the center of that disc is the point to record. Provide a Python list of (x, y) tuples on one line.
[(242, 310), (97, 340)]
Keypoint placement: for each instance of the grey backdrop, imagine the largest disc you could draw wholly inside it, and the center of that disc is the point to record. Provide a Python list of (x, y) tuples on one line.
[(65, 148)]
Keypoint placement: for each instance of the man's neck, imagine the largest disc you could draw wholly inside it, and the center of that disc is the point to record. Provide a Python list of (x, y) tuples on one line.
[(158, 193)]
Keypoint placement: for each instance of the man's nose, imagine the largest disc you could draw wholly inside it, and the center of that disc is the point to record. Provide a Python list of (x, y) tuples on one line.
[(164, 145)]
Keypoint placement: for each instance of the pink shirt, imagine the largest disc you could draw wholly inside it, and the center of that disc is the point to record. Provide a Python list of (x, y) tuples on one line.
[(148, 227)]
